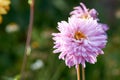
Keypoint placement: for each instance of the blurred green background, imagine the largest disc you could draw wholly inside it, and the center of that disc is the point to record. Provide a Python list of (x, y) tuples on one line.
[(42, 63)]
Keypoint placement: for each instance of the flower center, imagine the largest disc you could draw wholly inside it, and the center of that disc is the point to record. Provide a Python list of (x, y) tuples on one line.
[(78, 35), (85, 16)]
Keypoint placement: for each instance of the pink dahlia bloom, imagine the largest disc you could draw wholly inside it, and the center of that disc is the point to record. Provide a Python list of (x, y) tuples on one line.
[(79, 41), (82, 12)]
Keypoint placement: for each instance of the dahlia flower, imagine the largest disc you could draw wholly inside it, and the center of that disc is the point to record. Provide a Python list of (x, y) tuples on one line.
[(82, 12), (80, 40), (4, 7), (0, 19)]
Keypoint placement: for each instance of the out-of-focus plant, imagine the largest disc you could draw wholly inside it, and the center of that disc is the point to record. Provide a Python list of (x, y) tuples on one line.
[(28, 39), (12, 27), (4, 7)]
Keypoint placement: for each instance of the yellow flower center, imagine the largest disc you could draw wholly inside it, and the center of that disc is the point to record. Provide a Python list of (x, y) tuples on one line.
[(85, 16), (78, 35)]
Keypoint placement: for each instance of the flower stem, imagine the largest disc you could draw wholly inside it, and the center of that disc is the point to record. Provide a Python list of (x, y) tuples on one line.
[(83, 73), (78, 72), (27, 48)]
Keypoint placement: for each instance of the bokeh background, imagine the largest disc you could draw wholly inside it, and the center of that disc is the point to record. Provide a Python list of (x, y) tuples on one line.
[(42, 64)]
